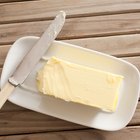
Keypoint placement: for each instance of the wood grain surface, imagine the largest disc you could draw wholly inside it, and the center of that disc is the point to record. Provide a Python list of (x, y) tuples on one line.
[(74, 28), (130, 133), (120, 46), (9, 1), (32, 122), (41, 10), (10, 107)]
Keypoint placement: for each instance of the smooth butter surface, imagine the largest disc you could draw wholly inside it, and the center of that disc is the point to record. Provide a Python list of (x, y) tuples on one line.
[(80, 84)]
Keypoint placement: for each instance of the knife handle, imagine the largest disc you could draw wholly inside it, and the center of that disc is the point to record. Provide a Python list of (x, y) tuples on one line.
[(5, 93)]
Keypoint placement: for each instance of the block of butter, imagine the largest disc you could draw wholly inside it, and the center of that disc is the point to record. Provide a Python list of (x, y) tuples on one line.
[(79, 84)]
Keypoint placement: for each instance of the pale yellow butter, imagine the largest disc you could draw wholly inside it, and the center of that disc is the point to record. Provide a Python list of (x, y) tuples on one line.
[(80, 84)]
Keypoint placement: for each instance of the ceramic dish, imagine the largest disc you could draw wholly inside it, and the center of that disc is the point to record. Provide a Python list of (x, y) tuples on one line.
[(77, 113)]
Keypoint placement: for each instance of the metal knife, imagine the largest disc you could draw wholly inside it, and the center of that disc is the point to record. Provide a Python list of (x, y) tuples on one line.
[(33, 57)]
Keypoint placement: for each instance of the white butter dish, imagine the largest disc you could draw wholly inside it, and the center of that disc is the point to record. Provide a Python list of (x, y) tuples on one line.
[(69, 111)]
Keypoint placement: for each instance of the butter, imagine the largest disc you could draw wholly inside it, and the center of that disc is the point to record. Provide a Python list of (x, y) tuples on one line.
[(79, 84)]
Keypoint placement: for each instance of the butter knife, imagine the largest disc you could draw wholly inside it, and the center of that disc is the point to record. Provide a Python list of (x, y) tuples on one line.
[(33, 57)]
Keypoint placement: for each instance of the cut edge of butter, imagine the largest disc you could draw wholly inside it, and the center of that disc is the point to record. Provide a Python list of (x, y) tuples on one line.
[(48, 86)]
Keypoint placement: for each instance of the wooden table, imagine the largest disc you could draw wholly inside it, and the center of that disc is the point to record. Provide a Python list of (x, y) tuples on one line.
[(109, 26)]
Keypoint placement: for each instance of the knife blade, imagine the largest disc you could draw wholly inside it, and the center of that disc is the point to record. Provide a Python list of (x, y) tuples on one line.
[(38, 50), (33, 57)]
